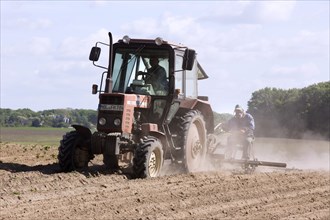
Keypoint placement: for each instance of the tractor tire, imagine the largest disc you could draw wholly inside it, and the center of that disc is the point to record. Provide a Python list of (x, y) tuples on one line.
[(148, 158), (73, 152), (192, 139), (110, 162)]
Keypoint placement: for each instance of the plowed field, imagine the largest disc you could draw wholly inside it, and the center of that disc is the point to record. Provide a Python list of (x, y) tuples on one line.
[(32, 188)]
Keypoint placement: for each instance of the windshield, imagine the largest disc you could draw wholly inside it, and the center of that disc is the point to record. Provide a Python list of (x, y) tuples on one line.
[(141, 71)]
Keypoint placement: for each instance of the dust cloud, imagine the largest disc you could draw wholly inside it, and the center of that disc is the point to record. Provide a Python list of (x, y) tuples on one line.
[(297, 153)]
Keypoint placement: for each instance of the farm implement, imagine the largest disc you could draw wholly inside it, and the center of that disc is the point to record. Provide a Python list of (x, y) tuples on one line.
[(222, 155)]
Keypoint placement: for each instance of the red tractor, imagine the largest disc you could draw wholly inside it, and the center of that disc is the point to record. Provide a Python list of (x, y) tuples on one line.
[(149, 111), (139, 123)]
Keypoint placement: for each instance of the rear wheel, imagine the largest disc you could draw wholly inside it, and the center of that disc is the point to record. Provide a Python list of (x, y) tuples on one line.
[(192, 140), (73, 152), (148, 158)]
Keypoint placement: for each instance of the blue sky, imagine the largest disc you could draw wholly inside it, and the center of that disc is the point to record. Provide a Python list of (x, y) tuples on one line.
[(243, 46)]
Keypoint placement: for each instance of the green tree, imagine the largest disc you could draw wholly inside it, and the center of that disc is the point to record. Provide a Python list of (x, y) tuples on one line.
[(291, 113)]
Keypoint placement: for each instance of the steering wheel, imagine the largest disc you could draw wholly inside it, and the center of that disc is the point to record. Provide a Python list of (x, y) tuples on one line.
[(143, 74)]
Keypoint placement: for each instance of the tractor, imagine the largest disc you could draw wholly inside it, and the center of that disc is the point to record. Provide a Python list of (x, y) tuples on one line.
[(139, 124)]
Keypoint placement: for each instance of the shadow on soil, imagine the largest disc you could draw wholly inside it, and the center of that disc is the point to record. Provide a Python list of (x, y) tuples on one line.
[(54, 168), (16, 168)]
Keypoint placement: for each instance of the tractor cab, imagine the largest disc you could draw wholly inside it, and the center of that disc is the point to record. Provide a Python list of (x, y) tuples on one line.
[(153, 70)]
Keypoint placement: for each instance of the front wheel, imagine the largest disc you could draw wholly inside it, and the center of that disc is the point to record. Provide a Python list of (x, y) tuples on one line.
[(148, 158), (73, 152)]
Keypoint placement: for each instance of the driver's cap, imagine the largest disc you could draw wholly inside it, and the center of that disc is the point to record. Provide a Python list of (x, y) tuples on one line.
[(238, 108)]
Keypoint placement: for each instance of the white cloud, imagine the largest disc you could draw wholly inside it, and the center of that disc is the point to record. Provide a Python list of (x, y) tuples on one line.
[(98, 3), (144, 26), (248, 12), (39, 46), (27, 23), (228, 9), (36, 46), (100, 35), (179, 24), (72, 47), (77, 47), (291, 76), (276, 10), (36, 24), (305, 70), (303, 44)]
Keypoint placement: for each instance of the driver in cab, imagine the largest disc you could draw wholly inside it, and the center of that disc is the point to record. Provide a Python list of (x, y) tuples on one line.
[(157, 76)]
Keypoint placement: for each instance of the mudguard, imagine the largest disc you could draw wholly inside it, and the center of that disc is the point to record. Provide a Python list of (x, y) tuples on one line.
[(84, 131)]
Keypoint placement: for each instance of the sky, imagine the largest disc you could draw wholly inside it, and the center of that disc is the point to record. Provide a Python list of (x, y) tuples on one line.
[(243, 46)]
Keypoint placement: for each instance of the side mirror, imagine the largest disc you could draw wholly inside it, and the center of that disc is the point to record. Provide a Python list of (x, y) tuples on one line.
[(94, 89), (95, 54), (188, 59)]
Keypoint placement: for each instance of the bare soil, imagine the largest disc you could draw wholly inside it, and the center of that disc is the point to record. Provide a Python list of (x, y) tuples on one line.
[(32, 188)]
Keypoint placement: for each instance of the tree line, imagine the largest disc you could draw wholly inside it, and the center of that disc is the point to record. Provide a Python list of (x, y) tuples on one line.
[(59, 118), (47, 118), (292, 113)]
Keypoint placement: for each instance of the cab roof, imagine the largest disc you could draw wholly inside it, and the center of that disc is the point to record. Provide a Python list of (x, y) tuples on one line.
[(201, 73)]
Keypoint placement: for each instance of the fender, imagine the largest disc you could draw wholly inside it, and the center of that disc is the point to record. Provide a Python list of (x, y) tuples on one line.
[(204, 107), (84, 131)]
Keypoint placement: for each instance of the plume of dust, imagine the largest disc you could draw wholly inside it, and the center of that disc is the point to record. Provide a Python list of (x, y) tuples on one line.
[(296, 153), (303, 154)]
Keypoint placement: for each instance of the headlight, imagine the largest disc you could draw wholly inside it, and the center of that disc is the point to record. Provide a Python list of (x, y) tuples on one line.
[(102, 121), (117, 122), (159, 41), (126, 39)]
